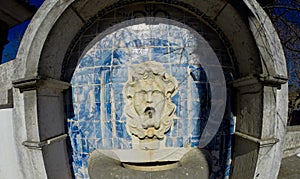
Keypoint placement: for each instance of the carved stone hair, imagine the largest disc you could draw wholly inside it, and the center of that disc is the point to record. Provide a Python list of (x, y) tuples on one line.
[(151, 69)]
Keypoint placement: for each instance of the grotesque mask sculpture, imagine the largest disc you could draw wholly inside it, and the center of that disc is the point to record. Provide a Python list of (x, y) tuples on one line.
[(149, 109)]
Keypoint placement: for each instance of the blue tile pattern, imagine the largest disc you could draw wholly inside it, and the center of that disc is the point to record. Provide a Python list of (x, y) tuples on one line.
[(99, 121)]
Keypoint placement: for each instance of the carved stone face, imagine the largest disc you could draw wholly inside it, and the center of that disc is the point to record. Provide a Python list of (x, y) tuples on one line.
[(149, 103), (148, 108)]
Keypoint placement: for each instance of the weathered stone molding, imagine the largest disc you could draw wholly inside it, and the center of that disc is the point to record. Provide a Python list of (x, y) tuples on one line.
[(267, 41), (264, 79), (37, 32), (272, 123), (260, 142), (43, 132), (39, 145), (33, 83), (275, 81)]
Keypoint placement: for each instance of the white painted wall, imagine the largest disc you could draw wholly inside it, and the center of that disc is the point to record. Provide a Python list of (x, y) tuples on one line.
[(9, 165)]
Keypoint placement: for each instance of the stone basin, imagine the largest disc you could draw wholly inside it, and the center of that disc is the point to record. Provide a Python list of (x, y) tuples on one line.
[(143, 156), (162, 163)]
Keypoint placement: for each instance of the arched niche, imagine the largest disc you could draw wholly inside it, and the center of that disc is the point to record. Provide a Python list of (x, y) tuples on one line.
[(196, 59), (261, 97)]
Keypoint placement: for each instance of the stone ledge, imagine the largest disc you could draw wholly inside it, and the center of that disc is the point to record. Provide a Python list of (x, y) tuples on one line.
[(33, 83), (265, 79), (261, 142), (276, 80), (39, 145)]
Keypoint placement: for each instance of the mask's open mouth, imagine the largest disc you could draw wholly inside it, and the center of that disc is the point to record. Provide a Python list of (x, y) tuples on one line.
[(149, 111)]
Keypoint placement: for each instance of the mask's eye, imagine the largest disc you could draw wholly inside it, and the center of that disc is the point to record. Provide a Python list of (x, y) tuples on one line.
[(157, 93), (142, 92)]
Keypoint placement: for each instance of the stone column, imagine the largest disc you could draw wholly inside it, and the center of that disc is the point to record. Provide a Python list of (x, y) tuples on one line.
[(45, 126), (256, 138)]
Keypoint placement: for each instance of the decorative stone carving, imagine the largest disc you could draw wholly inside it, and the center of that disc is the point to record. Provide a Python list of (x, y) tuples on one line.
[(149, 109)]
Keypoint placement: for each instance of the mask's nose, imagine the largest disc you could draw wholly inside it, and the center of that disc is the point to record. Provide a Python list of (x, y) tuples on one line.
[(149, 98)]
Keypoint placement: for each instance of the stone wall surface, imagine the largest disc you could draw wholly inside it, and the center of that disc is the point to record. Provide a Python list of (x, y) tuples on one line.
[(9, 167), (292, 141), (8, 73)]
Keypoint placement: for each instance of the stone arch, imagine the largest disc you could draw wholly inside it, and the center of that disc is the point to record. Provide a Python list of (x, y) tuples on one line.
[(260, 62)]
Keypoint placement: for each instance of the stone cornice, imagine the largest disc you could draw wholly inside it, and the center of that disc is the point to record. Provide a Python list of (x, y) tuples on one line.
[(264, 79), (262, 142), (33, 83)]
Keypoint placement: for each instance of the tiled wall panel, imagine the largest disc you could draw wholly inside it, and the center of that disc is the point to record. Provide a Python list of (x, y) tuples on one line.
[(99, 120)]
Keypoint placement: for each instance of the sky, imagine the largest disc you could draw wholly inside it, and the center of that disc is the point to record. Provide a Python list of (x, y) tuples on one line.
[(287, 23), (15, 35)]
